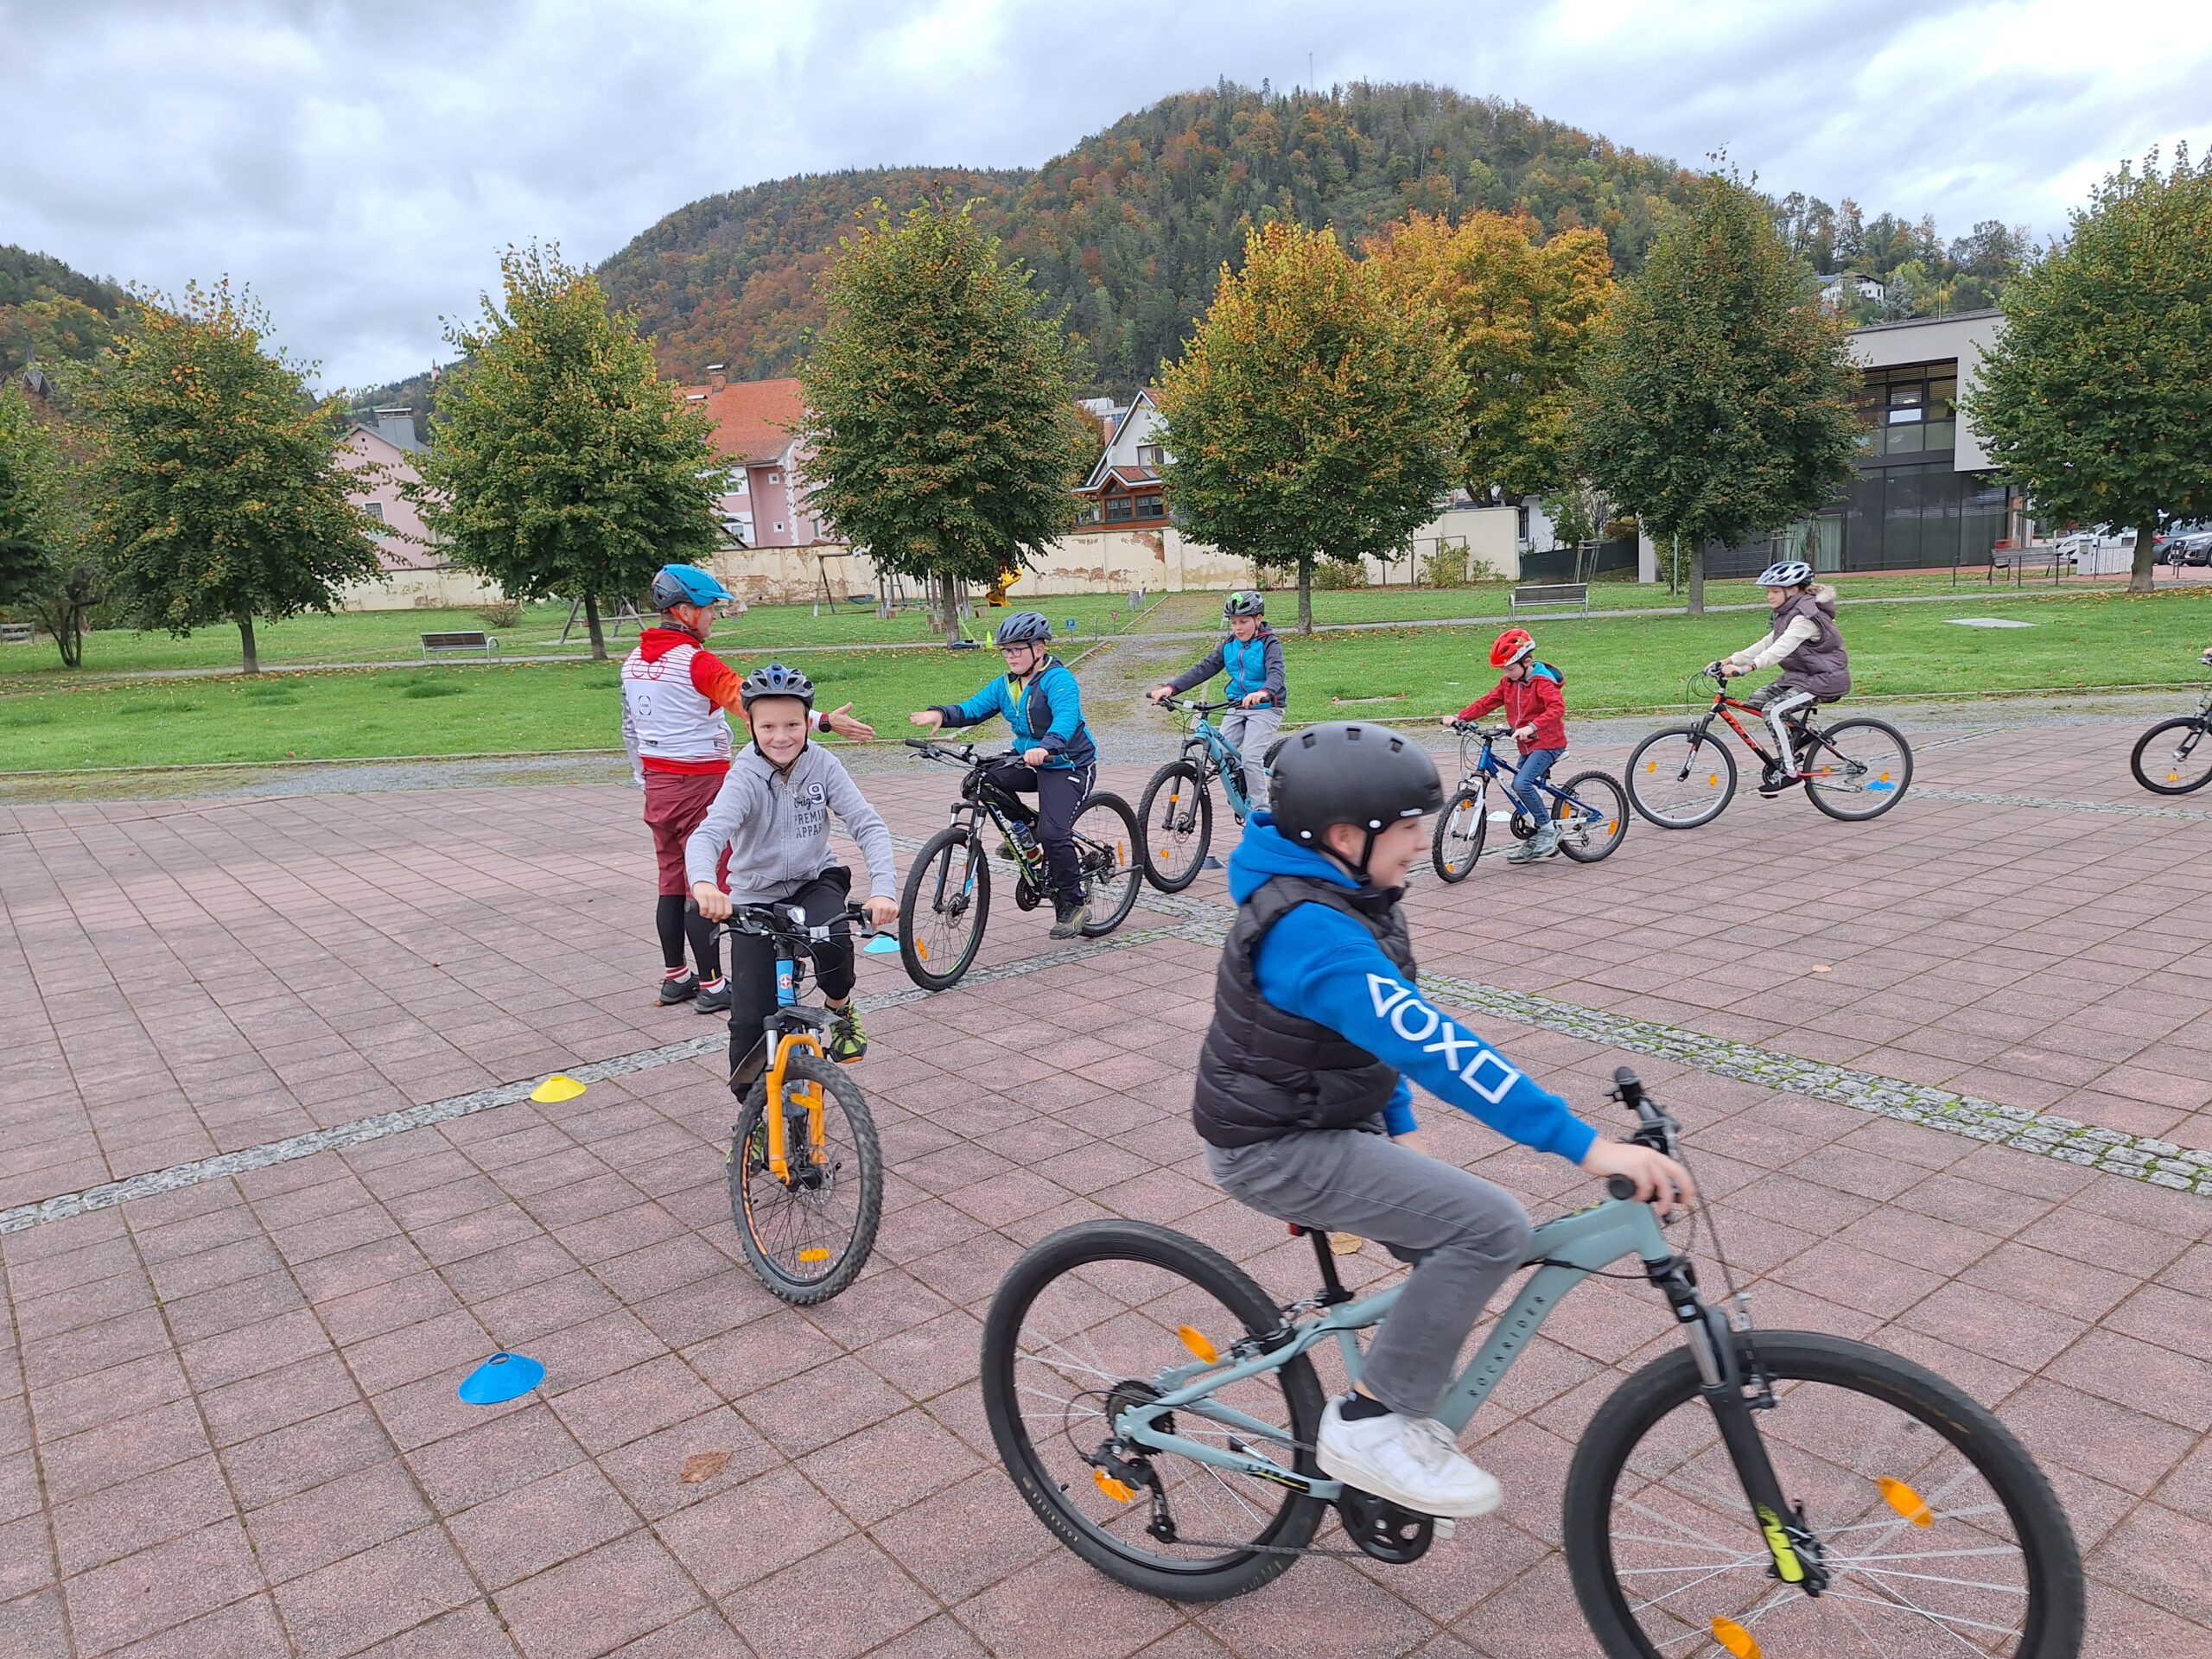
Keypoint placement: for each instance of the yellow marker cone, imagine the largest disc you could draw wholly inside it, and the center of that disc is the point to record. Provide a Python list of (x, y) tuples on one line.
[(556, 1088)]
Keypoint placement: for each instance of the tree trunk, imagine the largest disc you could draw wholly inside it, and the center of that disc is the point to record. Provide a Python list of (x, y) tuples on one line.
[(2146, 556), (1697, 579), (1675, 566), (1306, 593), (71, 638), (245, 643), (949, 597), (591, 622)]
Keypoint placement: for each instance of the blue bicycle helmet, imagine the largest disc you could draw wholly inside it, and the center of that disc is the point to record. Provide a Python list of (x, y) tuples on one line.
[(1025, 628), (687, 584), (776, 681)]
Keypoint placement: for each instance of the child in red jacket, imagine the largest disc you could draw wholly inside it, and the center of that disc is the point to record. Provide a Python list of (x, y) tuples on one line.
[(1534, 700)]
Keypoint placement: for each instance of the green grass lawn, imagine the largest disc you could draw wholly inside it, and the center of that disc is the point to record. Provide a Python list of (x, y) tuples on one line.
[(1641, 663), (386, 636), (446, 710), (1396, 604)]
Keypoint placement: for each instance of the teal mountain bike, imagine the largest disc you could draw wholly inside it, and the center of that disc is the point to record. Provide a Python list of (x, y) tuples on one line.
[(1775, 1492), (1176, 811), (1589, 808)]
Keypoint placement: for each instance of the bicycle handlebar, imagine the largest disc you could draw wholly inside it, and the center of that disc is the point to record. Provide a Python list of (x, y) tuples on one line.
[(962, 754), (1189, 707), (1475, 729), (1656, 1126), (787, 922)]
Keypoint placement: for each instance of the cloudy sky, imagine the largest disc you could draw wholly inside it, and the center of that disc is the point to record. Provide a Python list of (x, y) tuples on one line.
[(361, 164)]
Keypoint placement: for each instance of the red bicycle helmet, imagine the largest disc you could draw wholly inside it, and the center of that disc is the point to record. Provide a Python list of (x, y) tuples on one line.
[(1512, 646)]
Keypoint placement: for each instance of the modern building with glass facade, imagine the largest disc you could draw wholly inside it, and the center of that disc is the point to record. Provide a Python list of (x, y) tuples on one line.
[(1923, 496)]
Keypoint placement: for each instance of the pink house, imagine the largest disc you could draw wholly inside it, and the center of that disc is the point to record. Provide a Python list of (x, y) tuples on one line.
[(384, 457), (764, 500)]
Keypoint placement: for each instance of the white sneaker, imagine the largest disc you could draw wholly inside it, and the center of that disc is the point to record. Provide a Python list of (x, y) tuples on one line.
[(1413, 1461)]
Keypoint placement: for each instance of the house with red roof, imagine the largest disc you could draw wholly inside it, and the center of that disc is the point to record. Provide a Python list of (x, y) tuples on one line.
[(764, 499)]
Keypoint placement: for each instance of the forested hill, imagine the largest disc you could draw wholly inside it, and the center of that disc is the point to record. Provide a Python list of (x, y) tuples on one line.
[(1129, 228), (51, 312)]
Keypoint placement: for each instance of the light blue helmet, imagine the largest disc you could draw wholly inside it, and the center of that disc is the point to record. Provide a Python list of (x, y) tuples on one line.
[(687, 584)]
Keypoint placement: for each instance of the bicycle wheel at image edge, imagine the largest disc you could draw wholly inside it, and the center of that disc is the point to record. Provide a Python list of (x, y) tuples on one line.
[(1459, 829), (942, 912), (1858, 770), (1587, 836), (1938, 1533), (2174, 757), (808, 1238), (1113, 874), (1680, 778), (1079, 1326), (1176, 816)]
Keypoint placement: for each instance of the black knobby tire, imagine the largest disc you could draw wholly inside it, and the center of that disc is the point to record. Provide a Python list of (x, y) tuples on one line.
[(1459, 829), (1654, 763), (1169, 796), (2051, 1559), (1601, 791), (938, 965), (1292, 1525), (2165, 742), (756, 1211), (1112, 854), (1863, 799)]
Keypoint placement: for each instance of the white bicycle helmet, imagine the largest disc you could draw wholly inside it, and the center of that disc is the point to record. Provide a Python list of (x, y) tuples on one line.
[(1790, 573)]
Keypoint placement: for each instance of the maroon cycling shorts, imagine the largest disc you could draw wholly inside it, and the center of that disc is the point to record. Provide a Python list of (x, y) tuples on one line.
[(675, 802)]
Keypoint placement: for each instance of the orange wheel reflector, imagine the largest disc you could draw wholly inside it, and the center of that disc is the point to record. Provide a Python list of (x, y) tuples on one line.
[(1651, 765), (1611, 825), (1734, 1637), (1195, 1340), (922, 949), (814, 1256), (1714, 780), (1885, 776), (1120, 1490), (1907, 1503)]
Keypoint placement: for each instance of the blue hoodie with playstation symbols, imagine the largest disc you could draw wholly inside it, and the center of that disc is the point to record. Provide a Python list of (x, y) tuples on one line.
[(1322, 965)]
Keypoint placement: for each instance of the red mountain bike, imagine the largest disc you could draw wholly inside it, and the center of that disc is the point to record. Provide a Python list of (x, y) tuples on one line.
[(1684, 776)]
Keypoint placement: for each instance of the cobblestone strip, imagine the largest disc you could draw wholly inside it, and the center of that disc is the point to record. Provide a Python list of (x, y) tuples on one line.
[(2054, 803), (106, 1196), (2159, 1162)]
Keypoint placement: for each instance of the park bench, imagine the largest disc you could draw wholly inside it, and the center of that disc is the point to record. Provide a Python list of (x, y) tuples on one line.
[(1550, 595), (460, 639), (16, 634), (2017, 559)]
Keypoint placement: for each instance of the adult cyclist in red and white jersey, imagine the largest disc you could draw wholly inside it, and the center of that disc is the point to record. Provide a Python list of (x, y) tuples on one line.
[(675, 693)]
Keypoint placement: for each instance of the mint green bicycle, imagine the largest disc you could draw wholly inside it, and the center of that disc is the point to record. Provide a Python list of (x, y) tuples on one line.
[(1775, 1492)]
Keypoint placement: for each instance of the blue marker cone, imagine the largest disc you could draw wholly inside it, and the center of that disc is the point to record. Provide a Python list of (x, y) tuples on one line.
[(883, 945), (502, 1377), (1212, 863)]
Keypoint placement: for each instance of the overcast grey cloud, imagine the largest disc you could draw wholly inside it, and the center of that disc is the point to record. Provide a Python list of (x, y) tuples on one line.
[(362, 164)]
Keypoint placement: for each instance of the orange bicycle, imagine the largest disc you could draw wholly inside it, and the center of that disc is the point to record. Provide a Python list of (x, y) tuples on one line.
[(1683, 776)]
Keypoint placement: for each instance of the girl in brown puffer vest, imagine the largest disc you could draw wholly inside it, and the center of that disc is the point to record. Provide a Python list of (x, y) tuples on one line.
[(1803, 640)]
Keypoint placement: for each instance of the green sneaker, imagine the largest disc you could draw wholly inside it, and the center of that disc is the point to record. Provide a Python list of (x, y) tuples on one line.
[(847, 1042)]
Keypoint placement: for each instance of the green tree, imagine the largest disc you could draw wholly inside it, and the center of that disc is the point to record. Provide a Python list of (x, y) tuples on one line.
[(48, 564), (220, 498), (940, 424), (1718, 402), (1314, 411), (560, 462), (1521, 311), (2093, 396)]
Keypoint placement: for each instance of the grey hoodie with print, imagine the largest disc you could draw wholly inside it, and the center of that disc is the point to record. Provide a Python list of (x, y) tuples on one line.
[(776, 826)]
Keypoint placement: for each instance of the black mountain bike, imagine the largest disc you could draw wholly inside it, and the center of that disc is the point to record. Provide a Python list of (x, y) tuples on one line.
[(948, 894), (2175, 756)]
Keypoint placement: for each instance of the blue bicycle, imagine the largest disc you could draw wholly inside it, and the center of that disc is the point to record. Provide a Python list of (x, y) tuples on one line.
[(1591, 809), (1176, 814)]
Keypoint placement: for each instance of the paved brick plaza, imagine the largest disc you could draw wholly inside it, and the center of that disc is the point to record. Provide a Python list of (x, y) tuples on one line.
[(227, 1420)]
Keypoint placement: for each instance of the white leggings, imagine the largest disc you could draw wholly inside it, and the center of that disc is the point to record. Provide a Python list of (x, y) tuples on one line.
[(1776, 702)]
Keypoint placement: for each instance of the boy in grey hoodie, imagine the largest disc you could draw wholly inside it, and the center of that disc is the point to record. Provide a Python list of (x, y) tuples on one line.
[(772, 816)]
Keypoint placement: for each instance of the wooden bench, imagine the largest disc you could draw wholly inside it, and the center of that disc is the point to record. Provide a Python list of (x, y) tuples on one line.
[(460, 639), (1550, 595), (16, 634)]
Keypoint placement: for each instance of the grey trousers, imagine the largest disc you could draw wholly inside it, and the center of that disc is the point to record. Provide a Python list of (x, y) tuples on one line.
[(1464, 1236), (1249, 731)]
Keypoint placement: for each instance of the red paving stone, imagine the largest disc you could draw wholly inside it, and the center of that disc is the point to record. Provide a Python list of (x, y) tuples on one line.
[(228, 1422)]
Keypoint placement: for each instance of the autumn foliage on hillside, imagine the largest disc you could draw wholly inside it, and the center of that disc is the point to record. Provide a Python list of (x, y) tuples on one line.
[(1129, 231)]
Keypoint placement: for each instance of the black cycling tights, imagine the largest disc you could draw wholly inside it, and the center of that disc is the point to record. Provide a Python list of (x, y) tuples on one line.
[(673, 926)]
